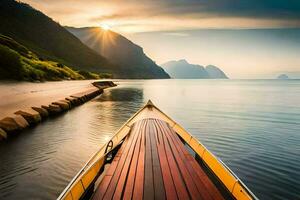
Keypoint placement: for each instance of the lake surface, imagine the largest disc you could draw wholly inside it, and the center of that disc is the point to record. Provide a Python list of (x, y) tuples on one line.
[(252, 125)]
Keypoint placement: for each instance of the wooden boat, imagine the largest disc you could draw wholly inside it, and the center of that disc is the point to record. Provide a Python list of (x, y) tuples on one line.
[(153, 157)]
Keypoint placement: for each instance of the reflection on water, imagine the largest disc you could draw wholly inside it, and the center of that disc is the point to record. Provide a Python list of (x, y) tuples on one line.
[(124, 94), (253, 126)]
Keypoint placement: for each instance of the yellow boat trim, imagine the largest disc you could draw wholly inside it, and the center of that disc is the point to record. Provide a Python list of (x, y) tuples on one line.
[(87, 174)]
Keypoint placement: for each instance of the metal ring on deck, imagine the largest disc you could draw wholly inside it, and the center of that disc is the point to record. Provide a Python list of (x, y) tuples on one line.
[(109, 144)]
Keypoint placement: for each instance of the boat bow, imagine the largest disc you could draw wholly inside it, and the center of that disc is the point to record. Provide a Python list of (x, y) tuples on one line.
[(83, 182)]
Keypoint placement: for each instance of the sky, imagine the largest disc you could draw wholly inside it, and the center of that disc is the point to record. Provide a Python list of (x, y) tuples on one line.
[(246, 38)]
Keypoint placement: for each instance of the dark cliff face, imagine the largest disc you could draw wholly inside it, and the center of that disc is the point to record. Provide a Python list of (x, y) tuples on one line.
[(121, 51), (181, 69), (47, 38)]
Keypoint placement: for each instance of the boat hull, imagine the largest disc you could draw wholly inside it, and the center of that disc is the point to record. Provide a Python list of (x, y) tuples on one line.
[(83, 183)]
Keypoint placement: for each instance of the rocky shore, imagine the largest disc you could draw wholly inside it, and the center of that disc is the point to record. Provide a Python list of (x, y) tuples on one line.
[(33, 115)]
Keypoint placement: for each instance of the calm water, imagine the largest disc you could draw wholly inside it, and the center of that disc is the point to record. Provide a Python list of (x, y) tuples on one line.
[(253, 126)]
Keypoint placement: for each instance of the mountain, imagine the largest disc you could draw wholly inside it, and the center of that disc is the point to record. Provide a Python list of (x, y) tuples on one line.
[(46, 38), (181, 69), (283, 77), (215, 73), (120, 51), (18, 63)]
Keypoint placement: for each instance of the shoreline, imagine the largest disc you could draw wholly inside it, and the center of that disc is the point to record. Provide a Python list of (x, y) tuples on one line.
[(27, 111)]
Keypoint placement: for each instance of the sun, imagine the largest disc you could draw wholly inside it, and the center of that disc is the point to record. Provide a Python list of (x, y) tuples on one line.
[(105, 27)]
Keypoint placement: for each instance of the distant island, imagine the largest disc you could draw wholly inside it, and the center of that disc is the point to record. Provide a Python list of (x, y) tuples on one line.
[(283, 77), (181, 69)]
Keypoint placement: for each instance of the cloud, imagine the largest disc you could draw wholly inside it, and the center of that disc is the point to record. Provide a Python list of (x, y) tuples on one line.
[(280, 9), (177, 34), (149, 15)]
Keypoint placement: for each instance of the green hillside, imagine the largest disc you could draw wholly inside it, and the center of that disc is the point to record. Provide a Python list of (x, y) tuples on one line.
[(47, 39), (18, 63)]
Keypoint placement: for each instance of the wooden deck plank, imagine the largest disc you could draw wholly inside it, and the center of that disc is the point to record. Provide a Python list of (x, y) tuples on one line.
[(203, 183), (148, 181), (107, 192), (179, 183), (126, 155), (187, 177), (159, 190), (128, 191), (153, 163), (107, 178), (125, 170), (165, 168), (187, 162), (139, 180)]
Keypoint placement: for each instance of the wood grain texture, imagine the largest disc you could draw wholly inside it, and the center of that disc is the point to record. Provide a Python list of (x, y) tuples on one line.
[(154, 164)]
